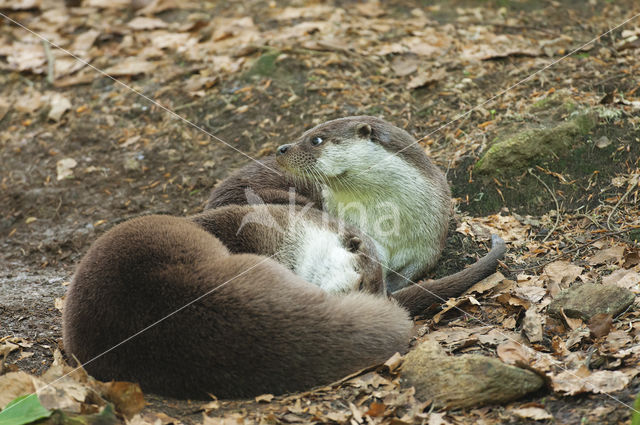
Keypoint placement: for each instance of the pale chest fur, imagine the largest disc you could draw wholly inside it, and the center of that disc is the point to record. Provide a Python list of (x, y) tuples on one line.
[(316, 254), (396, 205)]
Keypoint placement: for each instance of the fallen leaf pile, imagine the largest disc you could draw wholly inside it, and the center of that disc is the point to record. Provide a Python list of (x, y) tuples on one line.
[(83, 152)]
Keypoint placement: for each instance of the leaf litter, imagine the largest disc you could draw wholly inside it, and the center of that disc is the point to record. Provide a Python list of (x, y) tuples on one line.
[(435, 68)]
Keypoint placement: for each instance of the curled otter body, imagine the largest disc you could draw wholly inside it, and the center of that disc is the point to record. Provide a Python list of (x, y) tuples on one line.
[(367, 173), (230, 302), (161, 301), (330, 254)]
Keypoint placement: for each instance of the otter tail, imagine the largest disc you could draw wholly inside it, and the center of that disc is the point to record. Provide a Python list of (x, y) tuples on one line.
[(419, 297), (159, 301)]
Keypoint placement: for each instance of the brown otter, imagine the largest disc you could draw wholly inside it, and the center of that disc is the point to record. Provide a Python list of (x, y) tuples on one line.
[(160, 301), (171, 302), (321, 250), (368, 173)]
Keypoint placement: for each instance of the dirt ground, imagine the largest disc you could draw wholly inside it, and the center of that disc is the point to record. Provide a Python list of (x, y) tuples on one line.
[(267, 81)]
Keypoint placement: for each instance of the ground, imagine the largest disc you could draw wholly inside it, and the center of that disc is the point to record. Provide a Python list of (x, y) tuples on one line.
[(229, 82)]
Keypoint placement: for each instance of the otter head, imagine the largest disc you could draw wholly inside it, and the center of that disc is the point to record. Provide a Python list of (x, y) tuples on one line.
[(330, 150)]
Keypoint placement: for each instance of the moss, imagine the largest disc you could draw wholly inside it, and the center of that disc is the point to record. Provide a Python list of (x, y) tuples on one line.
[(523, 149), (586, 169), (265, 65)]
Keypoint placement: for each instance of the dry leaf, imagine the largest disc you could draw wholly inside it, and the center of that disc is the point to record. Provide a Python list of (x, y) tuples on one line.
[(617, 340), (487, 283), (609, 255), (131, 66), (4, 108), (64, 168), (582, 380), (19, 4), (437, 419), (532, 325), (499, 46), (600, 324), (107, 4), (265, 398), (535, 413), (628, 279), (143, 23), (426, 77), (394, 362), (571, 322), (562, 273), (530, 293), (14, 384), (127, 397), (59, 105), (29, 103), (376, 409), (404, 65), (513, 353)]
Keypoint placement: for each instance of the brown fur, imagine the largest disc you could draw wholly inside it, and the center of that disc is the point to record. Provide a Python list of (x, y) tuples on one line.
[(255, 328), (272, 188), (418, 298), (264, 234)]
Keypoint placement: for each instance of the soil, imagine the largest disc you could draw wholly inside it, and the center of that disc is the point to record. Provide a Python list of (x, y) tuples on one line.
[(134, 158)]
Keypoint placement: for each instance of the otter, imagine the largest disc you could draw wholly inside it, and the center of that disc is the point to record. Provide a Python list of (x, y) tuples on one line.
[(330, 254), (367, 173), (174, 308), (194, 306)]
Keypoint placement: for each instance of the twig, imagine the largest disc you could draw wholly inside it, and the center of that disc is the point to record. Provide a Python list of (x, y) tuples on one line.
[(635, 183), (50, 62), (553, 195)]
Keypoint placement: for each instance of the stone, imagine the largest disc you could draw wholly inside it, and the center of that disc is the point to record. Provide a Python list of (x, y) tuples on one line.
[(521, 150), (464, 381), (586, 300)]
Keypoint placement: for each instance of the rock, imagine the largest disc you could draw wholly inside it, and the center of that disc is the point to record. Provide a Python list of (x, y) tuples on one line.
[(586, 300), (464, 381), (520, 150)]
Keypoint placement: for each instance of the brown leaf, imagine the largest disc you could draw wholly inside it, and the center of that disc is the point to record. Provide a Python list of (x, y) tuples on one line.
[(562, 273), (59, 105), (617, 340), (29, 103), (4, 108), (64, 168), (19, 4), (265, 398), (609, 255), (376, 409), (582, 380), (131, 66), (143, 23), (487, 283), (532, 325), (404, 65), (394, 362), (426, 77), (14, 384), (126, 396), (629, 279), (513, 353), (535, 413), (600, 324), (572, 323)]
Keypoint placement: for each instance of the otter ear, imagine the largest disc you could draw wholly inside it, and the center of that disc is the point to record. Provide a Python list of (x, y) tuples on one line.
[(363, 130)]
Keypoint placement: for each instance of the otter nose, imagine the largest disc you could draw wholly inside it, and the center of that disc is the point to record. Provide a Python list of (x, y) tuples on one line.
[(283, 149)]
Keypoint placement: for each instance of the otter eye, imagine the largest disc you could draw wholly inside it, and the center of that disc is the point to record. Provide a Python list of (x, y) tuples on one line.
[(316, 141)]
